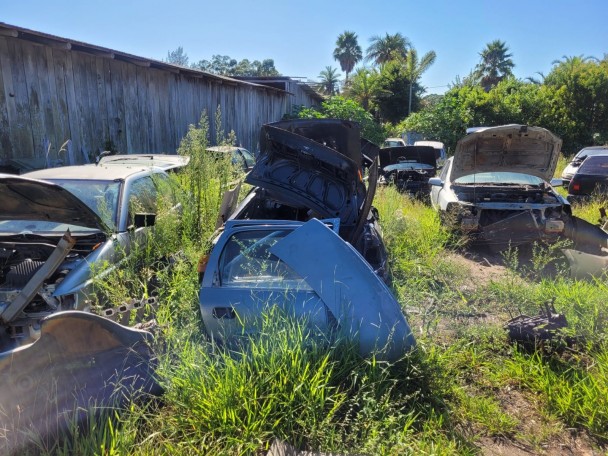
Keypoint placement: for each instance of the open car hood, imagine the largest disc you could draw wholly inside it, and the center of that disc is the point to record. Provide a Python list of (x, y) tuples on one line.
[(507, 148), (37, 200), (315, 164), (407, 154)]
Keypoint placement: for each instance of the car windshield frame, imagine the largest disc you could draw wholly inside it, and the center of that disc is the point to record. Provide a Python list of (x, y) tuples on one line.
[(499, 178)]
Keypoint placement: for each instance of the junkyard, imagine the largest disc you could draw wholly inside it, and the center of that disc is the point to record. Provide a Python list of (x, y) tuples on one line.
[(273, 275)]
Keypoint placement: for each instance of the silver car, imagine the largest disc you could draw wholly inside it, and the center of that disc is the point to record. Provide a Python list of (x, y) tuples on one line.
[(58, 228)]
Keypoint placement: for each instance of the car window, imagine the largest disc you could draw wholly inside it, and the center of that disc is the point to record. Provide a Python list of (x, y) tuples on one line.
[(249, 160), (595, 165), (100, 196), (444, 172), (499, 178), (588, 152), (142, 197), (247, 262)]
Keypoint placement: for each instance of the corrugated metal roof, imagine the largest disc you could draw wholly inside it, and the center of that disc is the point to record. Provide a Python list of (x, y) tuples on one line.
[(79, 46)]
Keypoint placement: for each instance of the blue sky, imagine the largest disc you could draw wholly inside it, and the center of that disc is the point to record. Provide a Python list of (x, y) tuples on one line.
[(300, 36)]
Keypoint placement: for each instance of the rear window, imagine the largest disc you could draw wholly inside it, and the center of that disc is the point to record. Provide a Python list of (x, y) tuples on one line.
[(246, 262), (595, 165)]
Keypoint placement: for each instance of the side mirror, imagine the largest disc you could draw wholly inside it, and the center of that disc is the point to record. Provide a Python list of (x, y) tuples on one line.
[(142, 220), (435, 182), (557, 182)]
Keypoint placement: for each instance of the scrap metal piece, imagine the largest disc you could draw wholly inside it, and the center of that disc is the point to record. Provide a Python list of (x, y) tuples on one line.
[(14, 309), (585, 265), (81, 362), (545, 327)]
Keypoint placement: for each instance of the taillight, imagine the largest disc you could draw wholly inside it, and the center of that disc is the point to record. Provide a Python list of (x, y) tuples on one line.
[(576, 187)]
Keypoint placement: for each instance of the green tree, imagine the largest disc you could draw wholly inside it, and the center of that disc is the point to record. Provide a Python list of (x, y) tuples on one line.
[(329, 80), (414, 68), (227, 66), (394, 90), (347, 52), (384, 49), (364, 88), (338, 107), (177, 57), (495, 64)]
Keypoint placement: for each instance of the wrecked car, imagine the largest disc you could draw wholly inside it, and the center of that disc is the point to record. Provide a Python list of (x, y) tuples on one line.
[(315, 169), (274, 250), (240, 157), (409, 168), (60, 229), (590, 178), (496, 190), (578, 159), (256, 264)]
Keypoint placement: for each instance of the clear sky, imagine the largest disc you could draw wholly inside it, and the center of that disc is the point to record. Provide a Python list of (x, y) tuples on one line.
[(300, 35)]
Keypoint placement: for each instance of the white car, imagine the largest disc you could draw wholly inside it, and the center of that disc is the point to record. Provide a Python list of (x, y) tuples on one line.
[(496, 189)]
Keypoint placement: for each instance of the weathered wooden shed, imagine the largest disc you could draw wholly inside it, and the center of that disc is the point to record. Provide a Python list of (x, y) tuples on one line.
[(53, 89)]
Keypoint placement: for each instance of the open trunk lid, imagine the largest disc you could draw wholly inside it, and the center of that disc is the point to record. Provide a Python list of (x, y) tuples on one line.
[(313, 164)]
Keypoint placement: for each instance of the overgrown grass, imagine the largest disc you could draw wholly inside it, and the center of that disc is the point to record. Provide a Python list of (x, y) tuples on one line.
[(318, 393)]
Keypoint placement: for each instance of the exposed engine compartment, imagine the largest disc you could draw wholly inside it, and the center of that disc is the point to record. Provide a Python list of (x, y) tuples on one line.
[(21, 256)]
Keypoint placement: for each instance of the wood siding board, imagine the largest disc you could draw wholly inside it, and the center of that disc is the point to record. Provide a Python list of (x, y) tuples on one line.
[(97, 137), (23, 122), (74, 121), (31, 79), (102, 102), (134, 133), (44, 63), (7, 105), (56, 59), (118, 96)]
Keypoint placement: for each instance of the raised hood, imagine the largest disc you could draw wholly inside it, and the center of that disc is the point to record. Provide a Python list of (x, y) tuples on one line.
[(37, 200), (507, 148), (417, 154), (313, 164)]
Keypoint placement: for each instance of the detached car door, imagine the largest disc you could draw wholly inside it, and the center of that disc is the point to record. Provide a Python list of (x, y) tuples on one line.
[(243, 279)]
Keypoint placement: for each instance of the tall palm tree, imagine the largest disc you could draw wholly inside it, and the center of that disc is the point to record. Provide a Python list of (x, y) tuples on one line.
[(383, 49), (495, 64), (414, 68), (347, 52), (329, 80)]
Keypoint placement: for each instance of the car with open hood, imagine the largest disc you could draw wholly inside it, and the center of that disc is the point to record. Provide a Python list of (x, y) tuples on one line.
[(496, 189), (60, 229), (409, 168)]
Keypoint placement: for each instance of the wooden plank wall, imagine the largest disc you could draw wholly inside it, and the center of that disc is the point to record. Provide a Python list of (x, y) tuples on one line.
[(51, 94)]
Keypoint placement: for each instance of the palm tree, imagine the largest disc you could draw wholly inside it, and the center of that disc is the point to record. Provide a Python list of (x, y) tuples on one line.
[(347, 52), (329, 80), (414, 68), (495, 64), (364, 88), (383, 49)]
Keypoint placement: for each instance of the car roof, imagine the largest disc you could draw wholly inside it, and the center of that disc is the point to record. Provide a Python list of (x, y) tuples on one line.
[(91, 172), (223, 148)]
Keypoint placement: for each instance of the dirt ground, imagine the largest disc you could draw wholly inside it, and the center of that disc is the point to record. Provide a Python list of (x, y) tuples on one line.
[(537, 433)]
